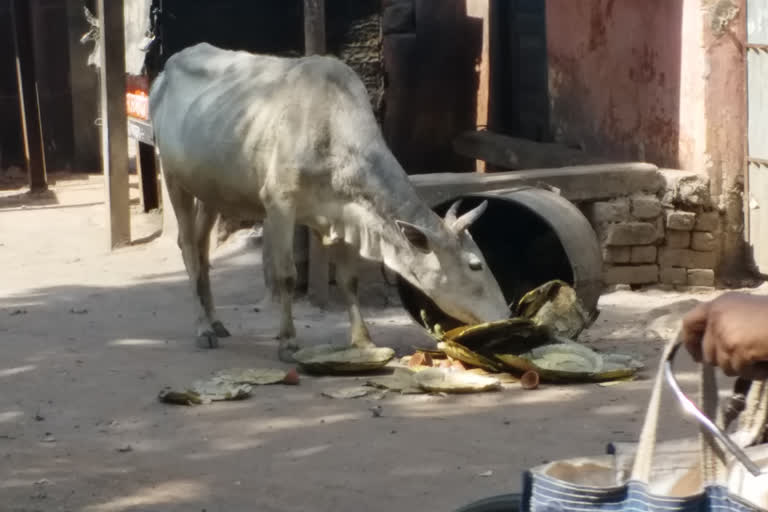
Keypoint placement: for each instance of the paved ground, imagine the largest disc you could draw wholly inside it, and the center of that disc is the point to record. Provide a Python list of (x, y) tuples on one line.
[(89, 337)]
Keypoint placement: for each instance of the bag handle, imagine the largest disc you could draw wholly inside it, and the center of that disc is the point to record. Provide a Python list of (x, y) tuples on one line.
[(641, 468), (712, 455)]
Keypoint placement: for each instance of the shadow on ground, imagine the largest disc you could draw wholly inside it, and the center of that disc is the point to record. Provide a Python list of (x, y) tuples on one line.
[(90, 337), (80, 426)]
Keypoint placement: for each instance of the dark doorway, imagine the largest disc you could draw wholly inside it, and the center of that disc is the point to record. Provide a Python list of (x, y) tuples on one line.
[(519, 88)]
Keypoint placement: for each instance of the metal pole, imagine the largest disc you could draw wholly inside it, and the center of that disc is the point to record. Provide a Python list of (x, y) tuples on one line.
[(314, 27), (318, 272)]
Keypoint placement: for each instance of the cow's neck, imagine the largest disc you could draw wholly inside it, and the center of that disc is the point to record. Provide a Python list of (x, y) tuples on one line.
[(368, 219)]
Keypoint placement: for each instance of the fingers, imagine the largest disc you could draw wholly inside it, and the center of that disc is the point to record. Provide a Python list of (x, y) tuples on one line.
[(712, 347), (708, 348), (694, 327)]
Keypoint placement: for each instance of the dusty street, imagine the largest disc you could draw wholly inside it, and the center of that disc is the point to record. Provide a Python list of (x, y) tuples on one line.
[(90, 337)]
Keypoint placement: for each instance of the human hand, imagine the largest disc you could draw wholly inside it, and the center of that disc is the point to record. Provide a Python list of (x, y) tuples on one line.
[(730, 332)]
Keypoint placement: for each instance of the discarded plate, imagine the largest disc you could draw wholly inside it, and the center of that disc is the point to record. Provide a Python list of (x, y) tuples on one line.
[(555, 305), (503, 377), (479, 344), (253, 376), (491, 336), (519, 344), (334, 359), (443, 380), (205, 392), (216, 390), (609, 383), (402, 380), (462, 353), (572, 362)]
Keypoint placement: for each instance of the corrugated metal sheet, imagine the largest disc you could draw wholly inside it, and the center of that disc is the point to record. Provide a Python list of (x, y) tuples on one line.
[(757, 135), (757, 22), (757, 87)]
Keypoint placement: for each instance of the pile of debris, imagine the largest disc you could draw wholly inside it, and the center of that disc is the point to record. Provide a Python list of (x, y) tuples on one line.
[(536, 344), (539, 338), (232, 384)]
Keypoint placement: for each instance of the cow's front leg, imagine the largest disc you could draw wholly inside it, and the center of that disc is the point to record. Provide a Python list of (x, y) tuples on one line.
[(279, 226), (271, 295), (346, 276)]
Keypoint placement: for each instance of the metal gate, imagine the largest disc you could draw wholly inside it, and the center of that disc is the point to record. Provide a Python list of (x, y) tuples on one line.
[(757, 132)]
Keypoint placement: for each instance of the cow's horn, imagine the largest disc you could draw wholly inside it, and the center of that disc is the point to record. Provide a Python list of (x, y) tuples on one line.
[(469, 218), (450, 216)]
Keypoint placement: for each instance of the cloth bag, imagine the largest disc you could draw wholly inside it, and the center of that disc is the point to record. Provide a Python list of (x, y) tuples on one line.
[(689, 475)]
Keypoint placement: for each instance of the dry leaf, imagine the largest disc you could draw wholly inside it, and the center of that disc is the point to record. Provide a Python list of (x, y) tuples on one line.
[(252, 376)]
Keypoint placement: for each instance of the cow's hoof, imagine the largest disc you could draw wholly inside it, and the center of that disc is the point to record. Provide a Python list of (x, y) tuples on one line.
[(363, 344), (285, 352), (220, 330), (207, 340)]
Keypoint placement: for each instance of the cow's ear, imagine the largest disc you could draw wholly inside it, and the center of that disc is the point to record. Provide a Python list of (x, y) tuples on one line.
[(417, 237)]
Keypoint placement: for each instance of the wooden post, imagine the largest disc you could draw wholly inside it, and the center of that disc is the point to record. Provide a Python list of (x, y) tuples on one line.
[(314, 27), (29, 105), (114, 129), (319, 265), (480, 9)]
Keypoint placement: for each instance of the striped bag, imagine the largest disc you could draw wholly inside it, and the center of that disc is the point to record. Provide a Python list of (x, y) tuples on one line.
[(718, 472)]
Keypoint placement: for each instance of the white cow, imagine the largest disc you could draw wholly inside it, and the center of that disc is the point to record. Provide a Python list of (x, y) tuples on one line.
[(294, 140)]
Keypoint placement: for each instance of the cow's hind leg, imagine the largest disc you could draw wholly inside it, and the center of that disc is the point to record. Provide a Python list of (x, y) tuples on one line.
[(346, 276), (204, 221), (279, 227), (184, 207)]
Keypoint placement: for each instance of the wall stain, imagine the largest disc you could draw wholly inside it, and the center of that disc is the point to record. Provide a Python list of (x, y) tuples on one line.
[(645, 72), (597, 37)]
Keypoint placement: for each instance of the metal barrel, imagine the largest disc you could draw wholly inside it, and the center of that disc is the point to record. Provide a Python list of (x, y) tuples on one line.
[(528, 236)]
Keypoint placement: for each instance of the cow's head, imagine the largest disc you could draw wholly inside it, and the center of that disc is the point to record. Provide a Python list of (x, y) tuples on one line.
[(449, 268)]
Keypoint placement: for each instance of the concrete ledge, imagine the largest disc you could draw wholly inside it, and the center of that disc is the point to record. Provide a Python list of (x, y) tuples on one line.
[(516, 153), (576, 183)]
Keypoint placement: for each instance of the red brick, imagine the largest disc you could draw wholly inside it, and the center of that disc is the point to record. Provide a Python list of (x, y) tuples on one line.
[(631, 233), (673, 275), (686, 258), (643, 254), (701, 277), (704, 241), (679, 220)]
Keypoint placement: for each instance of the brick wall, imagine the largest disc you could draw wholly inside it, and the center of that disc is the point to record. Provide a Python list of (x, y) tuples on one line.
[(672, 238)]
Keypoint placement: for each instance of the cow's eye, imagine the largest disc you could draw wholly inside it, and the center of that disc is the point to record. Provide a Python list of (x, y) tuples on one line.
[(475, 265)]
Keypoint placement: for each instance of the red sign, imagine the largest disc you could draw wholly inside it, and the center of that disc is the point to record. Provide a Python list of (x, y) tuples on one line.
[(137, 104)]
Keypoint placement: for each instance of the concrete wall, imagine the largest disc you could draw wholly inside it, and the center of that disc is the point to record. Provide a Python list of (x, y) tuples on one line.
[(693, 68), (724, 28), (614, 76), (656, 80)]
